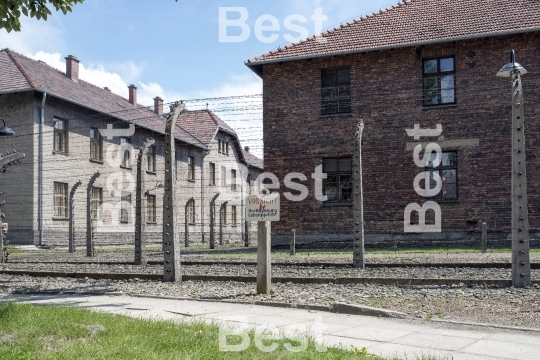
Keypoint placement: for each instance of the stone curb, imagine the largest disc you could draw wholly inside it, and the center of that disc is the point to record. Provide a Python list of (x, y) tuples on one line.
[(368, 311)]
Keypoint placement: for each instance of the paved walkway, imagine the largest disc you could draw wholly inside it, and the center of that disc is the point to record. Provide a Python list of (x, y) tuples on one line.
[(381, 336)]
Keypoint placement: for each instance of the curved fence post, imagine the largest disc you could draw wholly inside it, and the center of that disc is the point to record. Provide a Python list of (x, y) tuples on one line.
[(221, 208), (90, 251), (212, 220), (358, 201), (71, 243), (186, 232), (140, 204)]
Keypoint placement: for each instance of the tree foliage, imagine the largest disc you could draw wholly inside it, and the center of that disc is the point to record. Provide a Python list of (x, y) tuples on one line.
[(11, 10)]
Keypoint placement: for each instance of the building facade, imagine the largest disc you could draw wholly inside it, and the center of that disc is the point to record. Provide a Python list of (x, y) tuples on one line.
[(423, 64), (71, 132)]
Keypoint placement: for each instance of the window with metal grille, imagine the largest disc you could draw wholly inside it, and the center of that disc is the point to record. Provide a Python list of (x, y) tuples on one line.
[(96, 145), (126, 155), (233, 215), (338, 183), (447, 171), (151, 159), (96, 202), (60, 136), (191, 168), (60, 200), (151, 209), (439, 81), (336, 90), (125, 209), (233, 180), (212, 174), (191, 213)]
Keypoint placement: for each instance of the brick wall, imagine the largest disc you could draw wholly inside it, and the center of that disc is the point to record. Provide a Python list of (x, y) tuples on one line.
[(387, 94)]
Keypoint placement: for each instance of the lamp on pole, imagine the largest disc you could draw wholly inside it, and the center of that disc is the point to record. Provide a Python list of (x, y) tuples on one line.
[(521, 266), (6, 131)]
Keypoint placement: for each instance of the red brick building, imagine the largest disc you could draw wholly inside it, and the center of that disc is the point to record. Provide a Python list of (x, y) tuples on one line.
[(423, 62)]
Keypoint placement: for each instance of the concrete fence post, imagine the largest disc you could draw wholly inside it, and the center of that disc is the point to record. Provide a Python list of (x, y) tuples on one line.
[(212, 221), (71, 241), (186, 221), (171, 242), (140, 204), (89, 221), (293, 242), (246, 233), (484, 237), (358, 201), (264, 274), (221, 220)]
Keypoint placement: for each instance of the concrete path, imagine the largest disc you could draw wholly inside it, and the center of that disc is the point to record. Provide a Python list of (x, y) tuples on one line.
[(386, 337)]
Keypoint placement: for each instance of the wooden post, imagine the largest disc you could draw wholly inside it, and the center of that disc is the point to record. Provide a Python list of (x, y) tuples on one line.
[(484, 238), (140, 204), (264, 274), (293, 242), (358, 202), (171, 243), (521, 267), (89, 224), (71, 241)]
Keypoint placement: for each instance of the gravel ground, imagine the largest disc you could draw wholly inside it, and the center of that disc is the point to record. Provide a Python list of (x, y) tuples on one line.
[(278, 270), (503, 306)]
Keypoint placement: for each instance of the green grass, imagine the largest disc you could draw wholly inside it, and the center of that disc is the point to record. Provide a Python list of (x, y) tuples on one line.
[(56, 332)]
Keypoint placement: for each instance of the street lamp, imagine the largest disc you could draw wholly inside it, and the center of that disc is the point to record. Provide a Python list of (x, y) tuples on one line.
[(6, 131), (521, 266), (158, 186)]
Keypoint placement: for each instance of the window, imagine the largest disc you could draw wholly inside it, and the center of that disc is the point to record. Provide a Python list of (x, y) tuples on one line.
[(219, 146), (126, 156), (223, 176), (439, 81), (60, 136), (224, 215), (95, 204), (249, 184), (336, 91), (227, 148), (447, 170), (337, 186), (60, 200), (233, 180), (212, 170), (96, 145), (151, 209), (233, 215), (191, 213), (191, 168), (151, 159), (125, 209)]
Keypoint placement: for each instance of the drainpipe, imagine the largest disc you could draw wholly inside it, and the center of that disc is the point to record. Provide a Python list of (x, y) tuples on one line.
[(202, 195), (40, 171)]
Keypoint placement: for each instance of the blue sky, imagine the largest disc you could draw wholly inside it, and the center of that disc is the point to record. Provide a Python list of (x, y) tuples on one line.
[(169, 48)]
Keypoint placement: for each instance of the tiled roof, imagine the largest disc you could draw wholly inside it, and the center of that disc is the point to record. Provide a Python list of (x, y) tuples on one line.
[(252, 160), (18, 72), (204, 124), (415, 22)]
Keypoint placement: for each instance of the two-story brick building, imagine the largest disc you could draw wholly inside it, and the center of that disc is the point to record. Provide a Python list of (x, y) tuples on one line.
[(424, 62), (59, 122)]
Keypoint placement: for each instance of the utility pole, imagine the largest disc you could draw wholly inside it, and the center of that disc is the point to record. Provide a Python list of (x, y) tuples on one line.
[(521, 266), (358, 201), (140, 204), (171, 242)]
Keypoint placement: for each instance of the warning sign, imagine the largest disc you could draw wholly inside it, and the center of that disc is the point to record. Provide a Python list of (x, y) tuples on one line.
[(262, 207)]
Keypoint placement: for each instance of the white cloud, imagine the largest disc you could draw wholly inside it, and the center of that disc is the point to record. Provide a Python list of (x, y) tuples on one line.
[(34, 35)]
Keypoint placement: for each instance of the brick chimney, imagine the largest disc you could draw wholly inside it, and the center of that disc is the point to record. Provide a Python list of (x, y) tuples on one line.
[(72, 68), (246, 149), (132, 94), (158, 105)]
